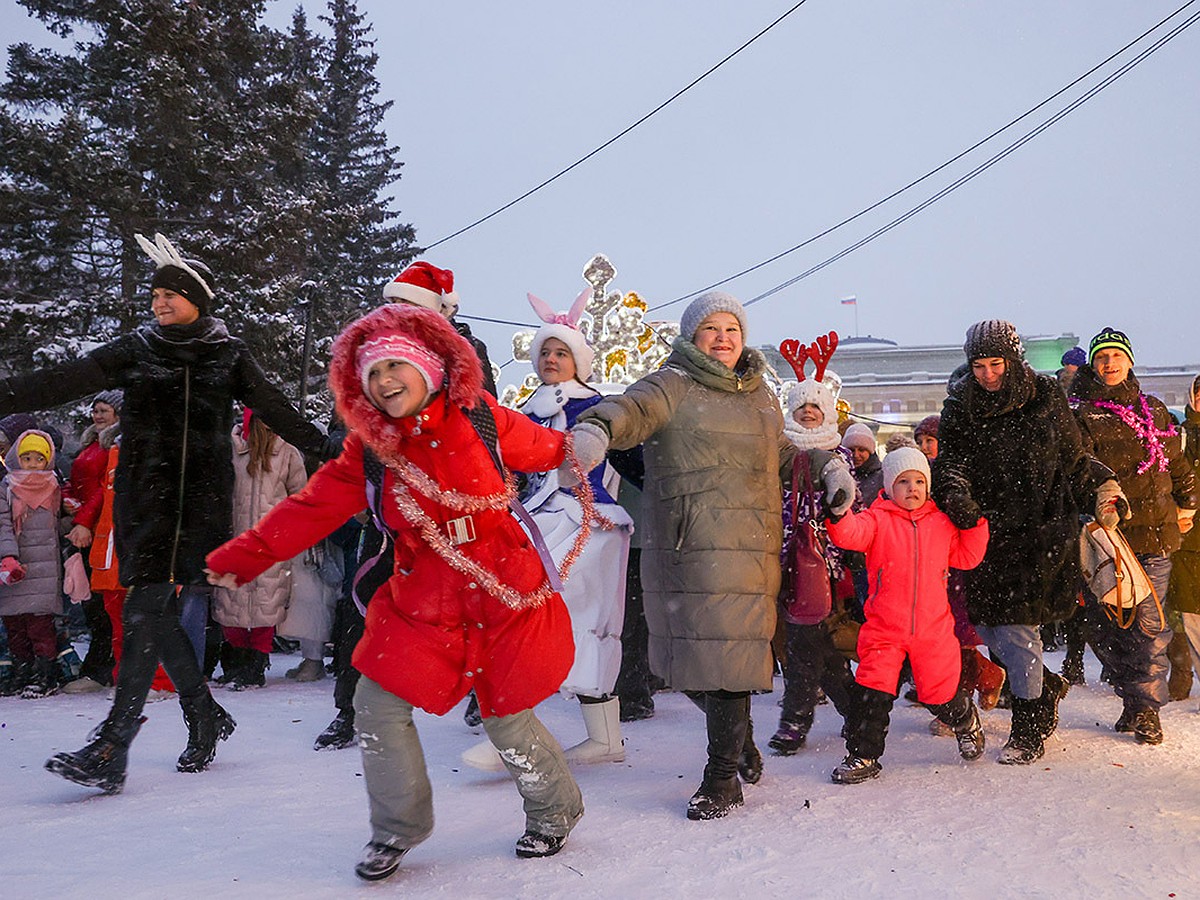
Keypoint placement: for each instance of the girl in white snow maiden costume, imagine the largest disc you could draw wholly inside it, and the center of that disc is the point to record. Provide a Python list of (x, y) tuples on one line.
[(595, 592)]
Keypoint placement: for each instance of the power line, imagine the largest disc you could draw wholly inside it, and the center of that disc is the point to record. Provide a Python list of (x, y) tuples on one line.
[(615, 137), (983, 167), (931, 172)]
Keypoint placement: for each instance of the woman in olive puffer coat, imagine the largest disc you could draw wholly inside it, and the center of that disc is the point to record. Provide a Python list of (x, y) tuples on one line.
[(712, 437)]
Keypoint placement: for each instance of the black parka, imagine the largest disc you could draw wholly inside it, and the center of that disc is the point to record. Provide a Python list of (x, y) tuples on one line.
[(1152, 527), (1019, 455), (173, 489)]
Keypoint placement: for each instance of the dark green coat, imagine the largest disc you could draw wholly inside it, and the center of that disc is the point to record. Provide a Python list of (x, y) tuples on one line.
[(1184, 595)]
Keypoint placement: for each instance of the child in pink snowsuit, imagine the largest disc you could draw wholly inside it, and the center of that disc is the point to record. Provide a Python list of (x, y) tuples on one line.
[(910, 545)]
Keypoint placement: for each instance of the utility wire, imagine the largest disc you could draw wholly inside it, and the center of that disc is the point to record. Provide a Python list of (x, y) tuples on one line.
[(931, 172), (983, 167), (615, 137)]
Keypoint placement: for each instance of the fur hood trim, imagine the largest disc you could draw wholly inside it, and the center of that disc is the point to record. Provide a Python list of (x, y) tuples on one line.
[(464, 378)]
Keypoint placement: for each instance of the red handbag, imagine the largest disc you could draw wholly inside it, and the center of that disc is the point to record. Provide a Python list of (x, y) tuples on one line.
[(806, 592)]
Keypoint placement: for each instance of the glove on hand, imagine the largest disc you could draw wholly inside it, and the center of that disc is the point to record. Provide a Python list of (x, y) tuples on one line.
[(839, 487), (962, 510), (11, 570), (1111, 505), (591, 445)]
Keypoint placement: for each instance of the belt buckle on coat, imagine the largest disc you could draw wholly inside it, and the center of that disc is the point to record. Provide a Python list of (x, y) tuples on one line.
[(461, 530)]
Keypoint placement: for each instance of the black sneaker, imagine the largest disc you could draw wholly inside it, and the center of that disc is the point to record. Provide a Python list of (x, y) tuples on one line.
[(379, 861), (534, 844), (1147, 728), (855, 769)]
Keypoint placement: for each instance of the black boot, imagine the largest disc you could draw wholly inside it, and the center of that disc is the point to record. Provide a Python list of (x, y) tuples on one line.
[(1025, 740), (866, 733), (963, 718), (207, 723), (727, 716), (102, 762), (750, 762), (337, 734), (22, 672), (1054, 690), (42, 681), (1147, 728), (1179, 682), (1072, 667), (253, 672), (233, 660)]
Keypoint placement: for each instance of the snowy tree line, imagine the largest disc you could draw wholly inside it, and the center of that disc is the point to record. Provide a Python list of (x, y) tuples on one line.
[(259, 151)]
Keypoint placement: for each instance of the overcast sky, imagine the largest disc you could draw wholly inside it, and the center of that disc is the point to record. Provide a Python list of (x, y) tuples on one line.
[(1093, 223)]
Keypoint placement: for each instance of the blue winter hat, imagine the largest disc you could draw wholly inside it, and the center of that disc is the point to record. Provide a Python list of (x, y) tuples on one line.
[(1074, 357)]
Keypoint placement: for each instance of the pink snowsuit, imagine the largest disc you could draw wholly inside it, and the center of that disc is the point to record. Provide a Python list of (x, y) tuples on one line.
[(909, 553)]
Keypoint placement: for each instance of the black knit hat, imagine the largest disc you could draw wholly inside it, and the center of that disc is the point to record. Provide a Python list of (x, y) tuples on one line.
[(1110, 339), (993, 338), (182, 282)]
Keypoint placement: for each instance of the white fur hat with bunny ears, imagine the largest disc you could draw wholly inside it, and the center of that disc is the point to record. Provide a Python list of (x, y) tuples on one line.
[(565, 327)]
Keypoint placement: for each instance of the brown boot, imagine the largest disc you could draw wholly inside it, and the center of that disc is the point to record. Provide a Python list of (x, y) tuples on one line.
[(990, 681)]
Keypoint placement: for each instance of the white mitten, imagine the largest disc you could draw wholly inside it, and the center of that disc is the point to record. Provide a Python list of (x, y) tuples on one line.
[(839, 486), (591, 445)]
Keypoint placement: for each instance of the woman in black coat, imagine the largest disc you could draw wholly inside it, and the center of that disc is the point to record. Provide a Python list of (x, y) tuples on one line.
[(1009, 448), (173, 492), (1135, 436)]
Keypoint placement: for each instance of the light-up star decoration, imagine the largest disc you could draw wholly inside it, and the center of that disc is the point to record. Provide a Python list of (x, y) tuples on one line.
[(627, 346)]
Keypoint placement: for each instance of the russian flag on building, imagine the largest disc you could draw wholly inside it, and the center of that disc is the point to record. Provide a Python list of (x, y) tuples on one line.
[(850, 301)]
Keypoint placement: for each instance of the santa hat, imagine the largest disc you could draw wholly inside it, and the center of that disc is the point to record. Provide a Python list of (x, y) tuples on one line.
[(901, 460), (424, 285), (405, 347), (564, 326)]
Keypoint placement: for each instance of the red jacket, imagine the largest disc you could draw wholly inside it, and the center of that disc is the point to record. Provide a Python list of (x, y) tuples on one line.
[(86, 484), (909, 555), (432, 633)]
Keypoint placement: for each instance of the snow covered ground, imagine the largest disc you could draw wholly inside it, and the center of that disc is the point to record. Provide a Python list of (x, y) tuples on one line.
[(1098, 816)]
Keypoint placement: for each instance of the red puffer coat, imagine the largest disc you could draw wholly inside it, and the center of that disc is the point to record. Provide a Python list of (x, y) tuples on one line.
[(909, 554), (432, 633)]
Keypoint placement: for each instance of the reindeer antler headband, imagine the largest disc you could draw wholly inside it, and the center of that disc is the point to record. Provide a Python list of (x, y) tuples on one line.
[(163, 252), (819, 351)]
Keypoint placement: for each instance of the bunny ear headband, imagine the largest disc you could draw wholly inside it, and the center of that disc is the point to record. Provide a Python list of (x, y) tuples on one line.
[(163, 252), (564, 327), (819, 351)]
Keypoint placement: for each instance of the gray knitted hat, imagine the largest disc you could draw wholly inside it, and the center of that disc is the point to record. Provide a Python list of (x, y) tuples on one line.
[(993, 338), (707, 304), (113, 398)]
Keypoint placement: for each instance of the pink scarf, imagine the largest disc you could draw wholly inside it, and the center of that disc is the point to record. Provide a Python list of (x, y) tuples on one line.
[(31, 489)]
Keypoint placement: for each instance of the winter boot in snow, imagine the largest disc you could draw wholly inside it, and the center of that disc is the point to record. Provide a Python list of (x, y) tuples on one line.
[(102, 762), (963, 718), (22, 672), (1147, 728), (789, 738), (855, 770), (1179, 682), (233, 659), (379, 861), (472, 717), (727, 717), (207, 723), (485, 757), (253, 673), (308, 670), (1024, 741), (338, 734), (603, 744), (1054, 690), (534, 844), (43, 681), (1124, 723), (750, 762), (1072, 667)]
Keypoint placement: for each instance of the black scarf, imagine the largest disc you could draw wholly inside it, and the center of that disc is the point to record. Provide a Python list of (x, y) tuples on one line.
[(185, 343)]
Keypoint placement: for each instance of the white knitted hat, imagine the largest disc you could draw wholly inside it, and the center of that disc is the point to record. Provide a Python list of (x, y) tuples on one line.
[(901, 460)]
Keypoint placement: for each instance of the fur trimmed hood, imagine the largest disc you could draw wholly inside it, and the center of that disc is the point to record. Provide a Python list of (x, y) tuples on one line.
[(464, 378)]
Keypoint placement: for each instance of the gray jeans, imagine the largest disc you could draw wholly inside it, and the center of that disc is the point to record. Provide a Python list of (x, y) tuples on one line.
[(398, 791), (1019, 647)]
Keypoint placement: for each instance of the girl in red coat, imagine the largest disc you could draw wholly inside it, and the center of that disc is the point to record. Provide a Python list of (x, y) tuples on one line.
[(469, 604), (910, 545)]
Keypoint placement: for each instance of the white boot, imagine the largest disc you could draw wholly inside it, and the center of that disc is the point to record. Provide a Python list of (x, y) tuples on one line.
[(483, 756), (603, 744)]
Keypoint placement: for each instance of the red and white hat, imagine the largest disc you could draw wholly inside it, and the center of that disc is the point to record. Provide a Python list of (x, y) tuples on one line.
[(424, 285)]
